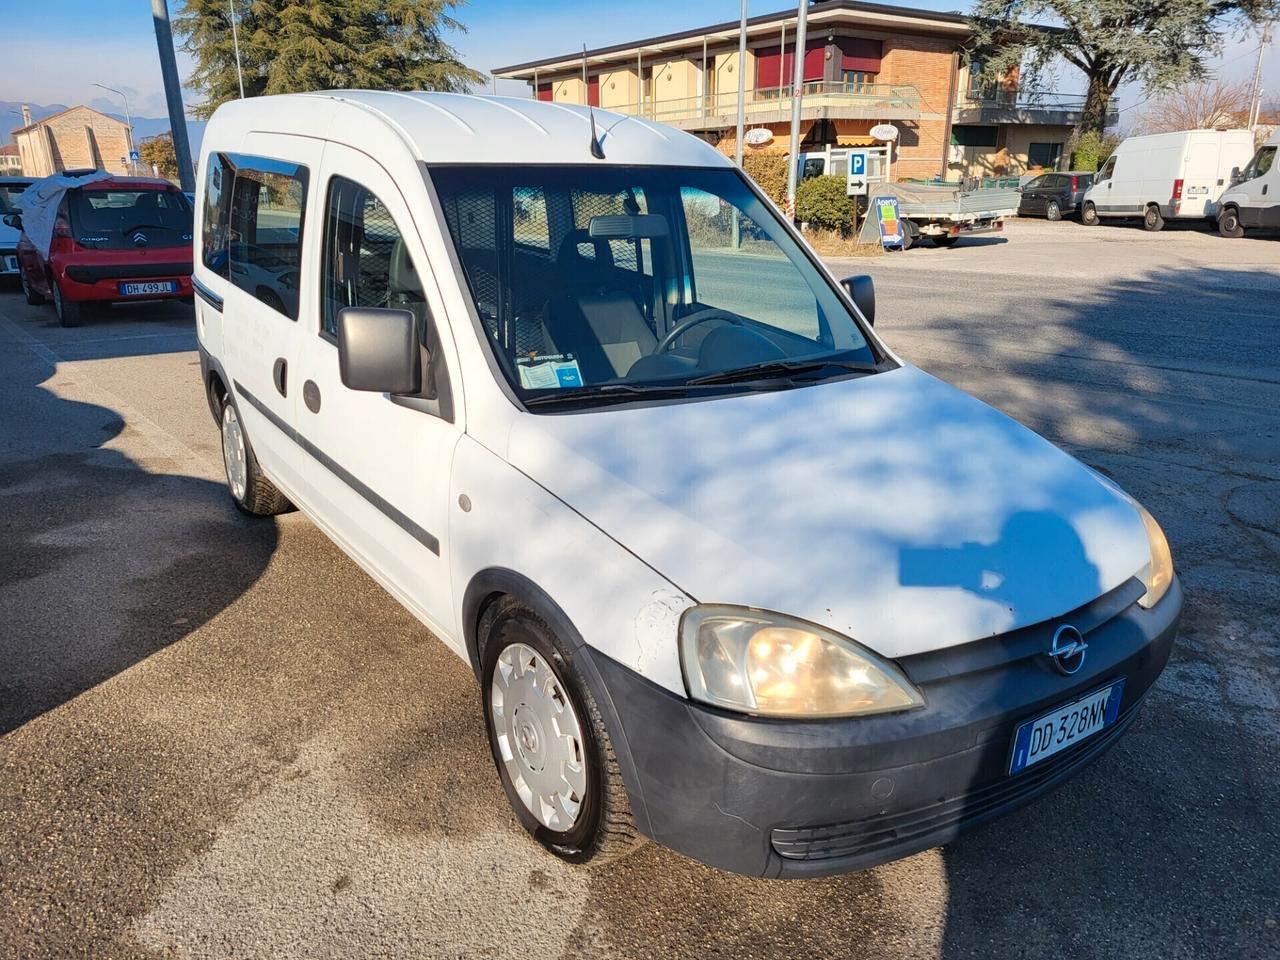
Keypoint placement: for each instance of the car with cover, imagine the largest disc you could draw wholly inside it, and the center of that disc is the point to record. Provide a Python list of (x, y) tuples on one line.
[(730, 573), (90, 239)]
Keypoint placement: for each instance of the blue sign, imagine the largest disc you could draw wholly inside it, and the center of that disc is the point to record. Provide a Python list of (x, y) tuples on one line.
[(890, 222), (134, 156), (858, 163)]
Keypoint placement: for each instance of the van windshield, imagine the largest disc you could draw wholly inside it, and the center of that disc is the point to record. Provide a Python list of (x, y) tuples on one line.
[(598, 284), (1261, 163)]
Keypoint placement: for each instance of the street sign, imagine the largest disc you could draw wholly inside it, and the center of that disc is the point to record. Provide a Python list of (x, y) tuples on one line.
[(856, 183), (135, 156), (890, 222)]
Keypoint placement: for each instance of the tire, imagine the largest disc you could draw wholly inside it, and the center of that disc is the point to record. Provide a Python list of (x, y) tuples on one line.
[(945, 241), (1052, 211), (1152, 219), (1229, 223), (1089, 215), (70, 312), (521, 658), (251, 491), (908, 236), (33, 298)]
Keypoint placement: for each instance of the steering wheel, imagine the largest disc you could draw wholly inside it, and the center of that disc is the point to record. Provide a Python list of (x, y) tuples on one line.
[(695, 318)]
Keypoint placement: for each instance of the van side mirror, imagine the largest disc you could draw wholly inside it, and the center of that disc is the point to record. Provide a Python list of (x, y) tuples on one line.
[(863, 292), (378, 350), (1236, 177), (13, 220)]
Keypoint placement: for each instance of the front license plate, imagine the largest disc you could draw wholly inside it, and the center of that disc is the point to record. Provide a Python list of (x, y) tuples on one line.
[(1063, 726), (148, 289)]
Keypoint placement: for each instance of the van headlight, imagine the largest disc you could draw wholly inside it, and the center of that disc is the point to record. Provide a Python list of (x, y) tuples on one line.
[(1158, 573), (765, 663)]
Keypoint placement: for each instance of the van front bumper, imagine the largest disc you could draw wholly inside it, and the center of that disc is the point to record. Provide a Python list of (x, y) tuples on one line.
[(784, 798)]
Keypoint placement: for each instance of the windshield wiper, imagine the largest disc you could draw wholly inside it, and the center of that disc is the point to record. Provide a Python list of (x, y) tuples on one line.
[(781, 368), (608, 393)]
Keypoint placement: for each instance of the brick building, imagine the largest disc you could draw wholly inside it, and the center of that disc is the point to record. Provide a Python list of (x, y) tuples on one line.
[(864, 64), (77, 137)]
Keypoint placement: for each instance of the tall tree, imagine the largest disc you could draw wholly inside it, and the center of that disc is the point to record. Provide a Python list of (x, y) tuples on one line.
[(158, 152), (291, 46), (1159, 43)]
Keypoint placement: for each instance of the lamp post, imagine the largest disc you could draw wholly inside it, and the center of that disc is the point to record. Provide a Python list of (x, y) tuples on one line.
[(797, 92), (128, 119)]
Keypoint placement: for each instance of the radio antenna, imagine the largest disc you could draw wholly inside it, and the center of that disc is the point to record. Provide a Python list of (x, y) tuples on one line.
[(597, 150)]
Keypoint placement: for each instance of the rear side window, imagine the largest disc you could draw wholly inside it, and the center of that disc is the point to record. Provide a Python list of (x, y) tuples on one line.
[(366, 262), (264, 230), (217, 210)]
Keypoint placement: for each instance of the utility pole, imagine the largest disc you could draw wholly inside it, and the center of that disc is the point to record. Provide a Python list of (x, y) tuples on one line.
[(173, 94), (797, 91), (128, 119), (742, 111), (1255, 101), (235, 40)]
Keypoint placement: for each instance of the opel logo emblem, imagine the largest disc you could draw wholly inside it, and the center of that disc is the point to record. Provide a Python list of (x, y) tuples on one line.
[(1067, 650)]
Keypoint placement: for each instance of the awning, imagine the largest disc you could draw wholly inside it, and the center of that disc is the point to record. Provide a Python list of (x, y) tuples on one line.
[(857, 140)]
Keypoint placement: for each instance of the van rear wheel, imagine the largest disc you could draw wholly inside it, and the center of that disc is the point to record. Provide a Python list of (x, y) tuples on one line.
[(252, 492), (549, 742), (1089, 215), (1229, 223), (1152, 219)]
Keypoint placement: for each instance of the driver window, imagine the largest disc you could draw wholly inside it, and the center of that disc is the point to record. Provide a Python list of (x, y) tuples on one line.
[(366, 262), (754, 279), (1108, 168)]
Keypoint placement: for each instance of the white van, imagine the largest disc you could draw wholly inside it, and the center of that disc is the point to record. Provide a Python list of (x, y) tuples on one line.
[(730, 573), (1253, 200), (1167, 176)]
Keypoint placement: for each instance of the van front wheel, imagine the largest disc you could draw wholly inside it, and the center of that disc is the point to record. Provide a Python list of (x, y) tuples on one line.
[(1089, 215), (1229, 223), (1152, 220), (549, 743)]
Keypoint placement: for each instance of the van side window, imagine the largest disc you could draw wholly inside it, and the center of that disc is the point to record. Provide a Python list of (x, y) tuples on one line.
[(265, 230), (217, 212), (366, 262), (1107, 170)]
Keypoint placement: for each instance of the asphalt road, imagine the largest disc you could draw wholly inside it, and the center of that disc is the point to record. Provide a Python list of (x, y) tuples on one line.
[(219, 738)]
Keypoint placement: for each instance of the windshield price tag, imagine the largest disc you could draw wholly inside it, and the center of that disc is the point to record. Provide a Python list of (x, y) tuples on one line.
[(890, 221), (550, 373)]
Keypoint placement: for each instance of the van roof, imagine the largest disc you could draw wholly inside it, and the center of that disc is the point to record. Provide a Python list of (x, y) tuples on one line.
[(464, 128)]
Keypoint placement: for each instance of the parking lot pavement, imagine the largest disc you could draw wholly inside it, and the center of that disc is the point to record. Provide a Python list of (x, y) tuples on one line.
[(219, 738)]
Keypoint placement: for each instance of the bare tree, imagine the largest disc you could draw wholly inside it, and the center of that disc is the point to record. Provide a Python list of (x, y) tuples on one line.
[(1196, 106)]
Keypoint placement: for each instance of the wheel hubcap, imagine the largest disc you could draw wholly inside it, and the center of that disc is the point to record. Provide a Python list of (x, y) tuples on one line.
[(233, 453), (539, 737)]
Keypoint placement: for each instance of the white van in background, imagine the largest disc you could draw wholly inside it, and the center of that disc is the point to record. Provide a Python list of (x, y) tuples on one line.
[(1167, 176), (1253, 200)]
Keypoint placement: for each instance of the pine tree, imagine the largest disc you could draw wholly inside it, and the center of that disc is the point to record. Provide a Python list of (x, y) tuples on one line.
[(290, 46), (1160, 43)]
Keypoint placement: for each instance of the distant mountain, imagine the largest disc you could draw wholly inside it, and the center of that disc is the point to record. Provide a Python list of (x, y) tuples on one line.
[(143, 127)]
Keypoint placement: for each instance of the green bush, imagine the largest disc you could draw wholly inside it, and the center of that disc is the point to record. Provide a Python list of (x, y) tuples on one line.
[(824, 203), (769, 171), (1093, 149)]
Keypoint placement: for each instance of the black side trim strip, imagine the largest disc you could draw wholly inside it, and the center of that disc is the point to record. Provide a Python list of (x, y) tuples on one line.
[(209, 297), (424, 537)]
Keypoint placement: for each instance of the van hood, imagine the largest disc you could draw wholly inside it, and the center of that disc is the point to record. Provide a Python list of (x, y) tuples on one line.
[(893, 508)]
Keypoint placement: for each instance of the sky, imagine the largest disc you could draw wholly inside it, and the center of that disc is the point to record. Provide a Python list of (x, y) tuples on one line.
[(55, 52)]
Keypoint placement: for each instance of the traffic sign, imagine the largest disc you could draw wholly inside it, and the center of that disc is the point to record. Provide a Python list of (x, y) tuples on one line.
[(856, 184), (135, 156)]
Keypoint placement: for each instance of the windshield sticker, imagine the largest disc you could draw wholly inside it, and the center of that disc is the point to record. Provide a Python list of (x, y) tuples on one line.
[(550, 372)]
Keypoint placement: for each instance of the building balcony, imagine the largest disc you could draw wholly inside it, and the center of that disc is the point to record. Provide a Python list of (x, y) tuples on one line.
[(821, 100), (1024, 106)]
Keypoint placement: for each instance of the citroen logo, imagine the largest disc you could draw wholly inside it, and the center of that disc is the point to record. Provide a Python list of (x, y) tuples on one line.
[(1067, 650), (139, 239)]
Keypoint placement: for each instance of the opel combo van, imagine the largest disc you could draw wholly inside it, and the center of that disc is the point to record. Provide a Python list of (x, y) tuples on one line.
[(730, 573)]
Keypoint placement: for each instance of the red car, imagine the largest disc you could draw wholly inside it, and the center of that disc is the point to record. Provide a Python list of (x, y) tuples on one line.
[(126, 238)]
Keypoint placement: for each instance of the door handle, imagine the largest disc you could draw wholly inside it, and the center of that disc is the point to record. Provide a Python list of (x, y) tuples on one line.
[(279, 375), (1264, 187)]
